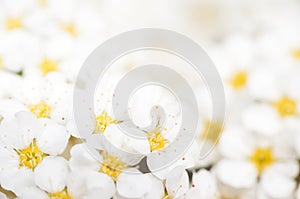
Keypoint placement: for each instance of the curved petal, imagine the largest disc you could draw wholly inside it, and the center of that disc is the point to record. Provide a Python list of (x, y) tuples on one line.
[(9, 159), (19, 132), (177, 182), (54, 138), (236, 143), (33, 192), (51, 174), (81, 159), (262, 119), (132, 185), (237, 174), (205, 183), (276, 185), (24, 176), (100, 186), (157, 189)]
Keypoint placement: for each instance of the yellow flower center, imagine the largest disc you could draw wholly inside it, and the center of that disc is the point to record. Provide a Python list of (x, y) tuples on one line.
[(239, 80), (111, 166), (103, 121), (60, 195), (212, 131), (31, 156), (286, 107), (69, 28), (13, 23), (296, 53), (48, 66), (262, 158), (156, 140), (41, 110)]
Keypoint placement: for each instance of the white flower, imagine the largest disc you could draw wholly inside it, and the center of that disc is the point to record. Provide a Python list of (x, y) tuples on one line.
[(286, 50), (25, 141), (17, 43), (54, 180), (80, 20), (283, 96), (49, 97), (247, 157), (115, 166), (235, 61)]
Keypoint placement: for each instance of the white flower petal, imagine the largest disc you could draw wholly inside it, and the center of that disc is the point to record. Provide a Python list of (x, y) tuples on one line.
[(9, 107), (132, 185), (100, 186), (54, 139), (262, 84), (33, 192), (157, 189), (177, 182), (51, 174), (237, 174), (262, 119), (194, 193), (236, 143), (277, 186), (20, 131), (24, 178), (81, 159), (9, 158), (205, 183)]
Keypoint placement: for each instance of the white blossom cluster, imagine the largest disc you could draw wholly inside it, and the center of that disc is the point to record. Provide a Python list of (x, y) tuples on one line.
[(256, 48)]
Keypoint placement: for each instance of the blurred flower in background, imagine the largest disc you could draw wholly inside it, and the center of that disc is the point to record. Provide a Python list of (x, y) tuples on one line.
[(256, 48)]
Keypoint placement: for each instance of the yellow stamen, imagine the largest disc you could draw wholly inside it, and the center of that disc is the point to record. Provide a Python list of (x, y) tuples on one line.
[(48, 66), (60, 195), (212, 131), (262, 158), (111, 166), (103, 121), (286, 107), (41, 110), (13, 23), (156, 140), (31, 156), (69, 28), (296, 53), (239, 80)]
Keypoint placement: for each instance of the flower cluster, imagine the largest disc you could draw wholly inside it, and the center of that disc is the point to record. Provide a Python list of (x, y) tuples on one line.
[(256, 48)]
